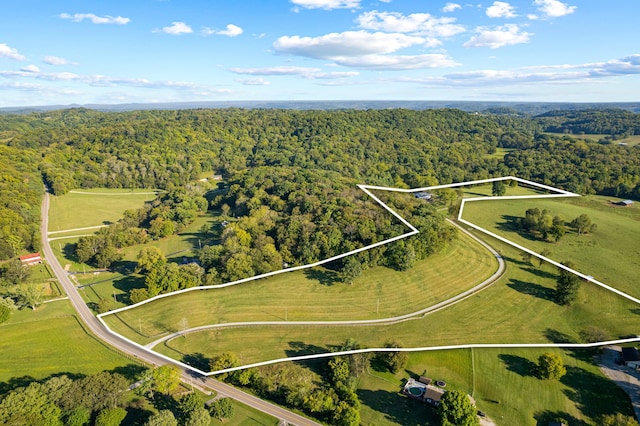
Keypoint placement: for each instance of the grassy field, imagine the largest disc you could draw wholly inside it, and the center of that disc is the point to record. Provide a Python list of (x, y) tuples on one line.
[(611, 254), (101, 206), (377, 293), (503, 385), (631, 140), (50, 340), (518, 308), (500, 153)]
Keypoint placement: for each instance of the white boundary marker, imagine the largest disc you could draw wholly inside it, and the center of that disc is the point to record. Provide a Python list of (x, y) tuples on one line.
[(365, 188)]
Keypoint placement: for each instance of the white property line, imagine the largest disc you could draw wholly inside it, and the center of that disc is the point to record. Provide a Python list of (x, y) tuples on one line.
[(76, 229), (366, 188), (115, 194)]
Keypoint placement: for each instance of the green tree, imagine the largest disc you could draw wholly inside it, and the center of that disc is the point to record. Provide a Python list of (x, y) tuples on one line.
[(166, 378), (567, 286), (456, 409), (618, 419), (148, 258), (498, 188), (162, 418), (5, 313), (221, 409), (189, 403), (339, 369), (583, 224), (550, 366), (395, 361), (79, 416), (29, 406), (15, 272), (199, 417), (112, 416), (224, 361), (351, 269), (30, 294)]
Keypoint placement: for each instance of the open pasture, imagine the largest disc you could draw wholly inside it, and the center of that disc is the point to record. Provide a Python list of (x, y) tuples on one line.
[(319, 295), (611, 254), (93, 207)]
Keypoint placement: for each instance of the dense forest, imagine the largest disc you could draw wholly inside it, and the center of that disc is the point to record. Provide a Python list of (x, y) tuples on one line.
[(296, 164), (614, 122)]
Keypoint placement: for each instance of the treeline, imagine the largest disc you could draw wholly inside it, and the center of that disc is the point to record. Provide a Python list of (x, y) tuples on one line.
[(596, 121), (164, 216), (402, 148), (579, 166)]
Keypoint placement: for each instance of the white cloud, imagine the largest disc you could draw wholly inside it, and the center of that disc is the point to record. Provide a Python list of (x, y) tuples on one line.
[(349, 43), (230, 31), (334, 75), (55, 60), (10, 52), (79, 17), (307, 72), (501, 9), (565, 73), (532, 17), (327, 4), (97, 80), (30, 68), (176, 28), (422, 23), (282, 70), (451, 7), (253, 81), (498, 37), (554, 8), (397, 62)]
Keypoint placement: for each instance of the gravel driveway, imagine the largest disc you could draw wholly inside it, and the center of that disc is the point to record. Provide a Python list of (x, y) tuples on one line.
[(626, 378)]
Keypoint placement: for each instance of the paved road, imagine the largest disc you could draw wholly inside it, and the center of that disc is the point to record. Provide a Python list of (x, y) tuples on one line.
[(382, 321), (97, 328)]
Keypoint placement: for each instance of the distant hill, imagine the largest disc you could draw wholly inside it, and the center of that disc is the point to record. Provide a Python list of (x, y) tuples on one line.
[(591, 121), (489, 107)]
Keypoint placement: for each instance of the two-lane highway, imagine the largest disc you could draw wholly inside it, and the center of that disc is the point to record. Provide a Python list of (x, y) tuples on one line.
[(99, 330)]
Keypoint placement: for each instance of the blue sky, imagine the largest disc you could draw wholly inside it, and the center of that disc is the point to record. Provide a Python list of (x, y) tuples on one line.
[(113, 51)]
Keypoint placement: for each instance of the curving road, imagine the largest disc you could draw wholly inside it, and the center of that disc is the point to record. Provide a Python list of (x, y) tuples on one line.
[(125, 346)]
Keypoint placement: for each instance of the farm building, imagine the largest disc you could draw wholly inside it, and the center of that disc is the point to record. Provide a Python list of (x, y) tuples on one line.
[(626, 202), (31, 259), (631, 357)]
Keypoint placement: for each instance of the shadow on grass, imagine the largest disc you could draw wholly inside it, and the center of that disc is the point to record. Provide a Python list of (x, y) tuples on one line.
[(15, 382), (533, 289), (595, 395), (69, 252), (555, 336), (197, 360), (519, 365), (635, 311), (541, 273), (397, 408), (124, 267), (323, 276), (543, 418), (298, 348), (130, 372)]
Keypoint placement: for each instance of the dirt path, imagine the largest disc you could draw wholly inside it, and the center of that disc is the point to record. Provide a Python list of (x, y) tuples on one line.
[(626, 378)]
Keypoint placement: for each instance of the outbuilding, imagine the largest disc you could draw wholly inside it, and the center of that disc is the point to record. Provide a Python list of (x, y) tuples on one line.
[(31, 259), (631, 357)]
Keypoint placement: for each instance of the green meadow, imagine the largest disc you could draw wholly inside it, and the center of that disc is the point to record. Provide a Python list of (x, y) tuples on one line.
[(93, 207), (611, 254), (319, 295), (51, 340)]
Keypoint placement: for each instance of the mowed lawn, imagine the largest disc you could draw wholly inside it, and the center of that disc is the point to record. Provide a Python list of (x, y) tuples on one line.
[(93, 207), (518, 308), (611, 254), (50, 340)]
